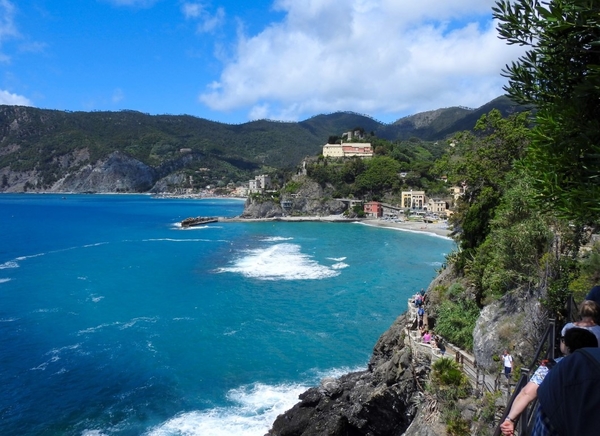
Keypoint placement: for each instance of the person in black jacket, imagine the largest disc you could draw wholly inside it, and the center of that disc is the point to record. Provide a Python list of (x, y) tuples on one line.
[(569, 397)]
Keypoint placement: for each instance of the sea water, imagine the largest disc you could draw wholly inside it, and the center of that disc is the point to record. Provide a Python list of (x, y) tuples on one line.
[(116, 321)]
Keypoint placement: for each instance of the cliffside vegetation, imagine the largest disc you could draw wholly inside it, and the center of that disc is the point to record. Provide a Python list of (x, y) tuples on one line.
[(395, 166)]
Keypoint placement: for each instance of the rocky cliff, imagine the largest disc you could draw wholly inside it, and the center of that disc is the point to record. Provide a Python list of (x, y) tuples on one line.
[(301, 197), (118, 172), (382, 400)]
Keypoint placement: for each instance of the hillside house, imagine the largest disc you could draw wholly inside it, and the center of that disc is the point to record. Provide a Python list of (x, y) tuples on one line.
[(373, 209), (435, 205)]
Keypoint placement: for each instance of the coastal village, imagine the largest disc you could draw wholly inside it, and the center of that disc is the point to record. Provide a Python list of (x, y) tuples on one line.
[(413, 206)]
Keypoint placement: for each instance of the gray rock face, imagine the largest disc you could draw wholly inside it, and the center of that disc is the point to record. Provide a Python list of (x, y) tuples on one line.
[(261, 209), (118, 173), (378, 401), (309, 200), (510, 323)]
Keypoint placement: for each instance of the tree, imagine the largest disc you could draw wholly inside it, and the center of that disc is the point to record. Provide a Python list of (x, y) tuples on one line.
[(381, 174), (560, 75), (481, 164)]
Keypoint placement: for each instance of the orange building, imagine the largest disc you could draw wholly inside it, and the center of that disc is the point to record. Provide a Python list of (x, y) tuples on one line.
[(373, 209)]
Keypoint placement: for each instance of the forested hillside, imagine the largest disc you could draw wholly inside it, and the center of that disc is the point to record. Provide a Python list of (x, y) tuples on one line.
[(43, 149)]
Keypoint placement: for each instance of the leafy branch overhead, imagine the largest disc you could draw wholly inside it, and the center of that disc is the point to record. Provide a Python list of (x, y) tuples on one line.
[(560, 75)]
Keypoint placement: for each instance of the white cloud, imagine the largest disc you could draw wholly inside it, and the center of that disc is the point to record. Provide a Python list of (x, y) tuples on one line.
[(117, 95), (13, 99), (8, 28), (198, 11), (372, 56), (192, 10), (134, 3)]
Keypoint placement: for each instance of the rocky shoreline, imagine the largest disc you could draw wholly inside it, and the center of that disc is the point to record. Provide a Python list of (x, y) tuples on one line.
[(387, 398)]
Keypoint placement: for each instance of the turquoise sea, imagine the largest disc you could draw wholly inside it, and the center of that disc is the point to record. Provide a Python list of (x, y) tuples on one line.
[(115, 321)]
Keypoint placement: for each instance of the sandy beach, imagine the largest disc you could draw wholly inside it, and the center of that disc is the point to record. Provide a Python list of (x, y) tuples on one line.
[(439, 229)]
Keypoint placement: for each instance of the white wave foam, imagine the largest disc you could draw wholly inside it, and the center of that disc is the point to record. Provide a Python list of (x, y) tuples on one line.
[(97, 299), (176, 240), (56, 355), (53, 310), (280, 262), (93, 433), (337, 259), (434, 263), (5, 280), (339, 265), (8, 265), (98, 327), (276, 239), (8, 319), (186, 229), (420, 232), (97, 244), (134, 321), (255, 408), (30, 257)]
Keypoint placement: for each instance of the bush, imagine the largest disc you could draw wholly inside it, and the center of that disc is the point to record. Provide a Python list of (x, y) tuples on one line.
[(456, 322)]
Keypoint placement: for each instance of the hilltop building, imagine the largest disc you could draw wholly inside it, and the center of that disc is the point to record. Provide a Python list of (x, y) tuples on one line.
[(359, 149), (259, 184)]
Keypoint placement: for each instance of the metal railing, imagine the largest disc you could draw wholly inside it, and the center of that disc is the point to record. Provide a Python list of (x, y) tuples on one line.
[(549, 345), (546, 348)]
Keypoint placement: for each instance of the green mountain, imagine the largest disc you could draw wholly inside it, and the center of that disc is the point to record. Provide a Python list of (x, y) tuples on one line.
[(59, 151)]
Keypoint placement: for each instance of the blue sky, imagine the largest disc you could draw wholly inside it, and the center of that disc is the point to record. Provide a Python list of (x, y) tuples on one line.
[(235, 61)]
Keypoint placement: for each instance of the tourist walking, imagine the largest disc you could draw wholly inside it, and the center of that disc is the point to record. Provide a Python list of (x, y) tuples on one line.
[(439, 342), (507, 360)]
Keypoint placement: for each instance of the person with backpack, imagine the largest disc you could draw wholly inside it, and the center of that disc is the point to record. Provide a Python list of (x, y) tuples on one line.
[(574, 339)]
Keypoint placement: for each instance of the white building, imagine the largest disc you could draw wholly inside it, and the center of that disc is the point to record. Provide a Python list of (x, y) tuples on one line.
[(259, 184), (360, 149)]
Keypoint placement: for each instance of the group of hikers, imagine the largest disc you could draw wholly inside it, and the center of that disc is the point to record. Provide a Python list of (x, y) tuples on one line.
[(419, 300), (568, 387)]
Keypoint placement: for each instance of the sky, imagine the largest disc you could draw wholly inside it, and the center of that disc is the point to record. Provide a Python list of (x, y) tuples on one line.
[(235, 61)]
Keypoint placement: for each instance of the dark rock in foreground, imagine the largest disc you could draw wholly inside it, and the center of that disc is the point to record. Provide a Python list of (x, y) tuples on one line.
[(382, 400)]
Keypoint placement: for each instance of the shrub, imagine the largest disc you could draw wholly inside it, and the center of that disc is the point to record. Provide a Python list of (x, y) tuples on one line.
[(456, 322)]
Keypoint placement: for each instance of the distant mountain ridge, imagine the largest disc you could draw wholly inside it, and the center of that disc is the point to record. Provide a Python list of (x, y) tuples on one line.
[(51, 150)]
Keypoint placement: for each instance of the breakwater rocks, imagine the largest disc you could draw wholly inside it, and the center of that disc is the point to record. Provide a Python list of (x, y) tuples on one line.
[(381, 400), (199, 220)]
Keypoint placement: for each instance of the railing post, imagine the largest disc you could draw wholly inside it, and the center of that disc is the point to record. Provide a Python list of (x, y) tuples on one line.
[(552, 337), (524, 418)]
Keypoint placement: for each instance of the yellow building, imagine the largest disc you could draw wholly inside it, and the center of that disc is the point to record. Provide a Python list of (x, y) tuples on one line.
[(413, 199)]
